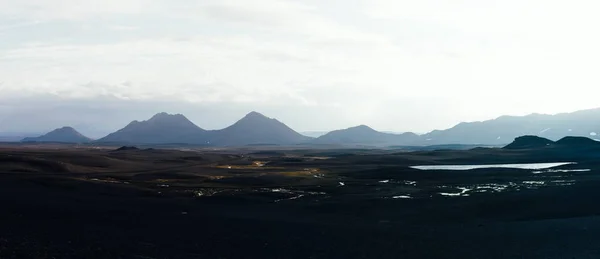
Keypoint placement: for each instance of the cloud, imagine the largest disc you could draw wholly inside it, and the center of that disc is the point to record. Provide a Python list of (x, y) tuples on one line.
[(122, 28), (171, 67), (73, 9), (381, 62), (14, 26)]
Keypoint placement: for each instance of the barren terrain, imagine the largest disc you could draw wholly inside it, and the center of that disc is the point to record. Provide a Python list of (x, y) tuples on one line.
[(61, 201)]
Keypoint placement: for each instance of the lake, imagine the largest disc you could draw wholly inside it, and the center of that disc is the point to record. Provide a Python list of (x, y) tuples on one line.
[(533, 166)]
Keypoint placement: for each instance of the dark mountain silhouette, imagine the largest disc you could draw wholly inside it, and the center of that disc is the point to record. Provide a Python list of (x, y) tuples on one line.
[(254, 129), (578, 142), (364, 135), (17, 136), (585, 123), (126, 148), (64, 135), (566, 143), (529, 142), (162, 128)]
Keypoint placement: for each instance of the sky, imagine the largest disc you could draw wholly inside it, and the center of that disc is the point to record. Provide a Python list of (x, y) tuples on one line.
[(395, 65)]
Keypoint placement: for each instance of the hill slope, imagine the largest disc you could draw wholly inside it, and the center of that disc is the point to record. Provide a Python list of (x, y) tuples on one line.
[(365, 135), (529, 142), (566, 143), (162, 128), (578, 142), (256, 128), (64, 135)]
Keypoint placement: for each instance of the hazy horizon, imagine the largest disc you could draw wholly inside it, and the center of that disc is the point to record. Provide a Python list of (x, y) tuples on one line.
[(316, 66), (90, 130)]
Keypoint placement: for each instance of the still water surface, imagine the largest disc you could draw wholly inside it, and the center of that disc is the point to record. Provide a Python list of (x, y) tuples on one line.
[(534, 166)]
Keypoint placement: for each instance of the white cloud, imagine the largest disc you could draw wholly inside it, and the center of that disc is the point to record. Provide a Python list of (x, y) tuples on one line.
[(13, 26), (73, 9), (389, 65), (122, 28)]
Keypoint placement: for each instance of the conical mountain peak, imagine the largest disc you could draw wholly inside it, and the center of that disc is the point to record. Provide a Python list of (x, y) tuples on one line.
[(256, 128), (256, 120), (165, 116), (66, 128), (65, 134), (159, 129), (362, 127), (254, 116)]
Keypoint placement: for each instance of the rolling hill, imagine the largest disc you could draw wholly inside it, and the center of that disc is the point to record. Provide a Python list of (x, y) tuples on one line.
[(364, 135), (569, 142), (63, 135)]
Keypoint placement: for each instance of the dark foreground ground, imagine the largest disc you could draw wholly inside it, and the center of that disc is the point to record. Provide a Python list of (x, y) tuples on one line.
[(83, 203)]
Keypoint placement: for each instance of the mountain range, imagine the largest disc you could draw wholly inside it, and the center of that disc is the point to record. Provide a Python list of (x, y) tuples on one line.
[(585, 123), (257, 129)]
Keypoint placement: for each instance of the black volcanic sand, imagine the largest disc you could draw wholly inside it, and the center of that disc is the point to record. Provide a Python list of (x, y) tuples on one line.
[(151, 203)]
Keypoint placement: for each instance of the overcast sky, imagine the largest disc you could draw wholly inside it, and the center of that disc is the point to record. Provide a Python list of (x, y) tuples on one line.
[(395, 65)]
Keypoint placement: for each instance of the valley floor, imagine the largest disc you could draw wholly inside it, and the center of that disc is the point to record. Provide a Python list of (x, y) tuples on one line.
[(81, 203)]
